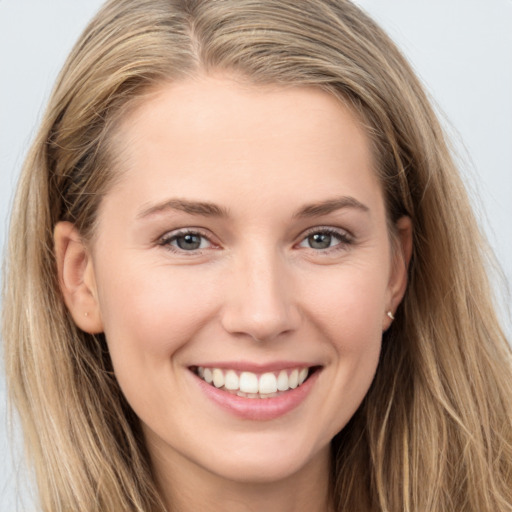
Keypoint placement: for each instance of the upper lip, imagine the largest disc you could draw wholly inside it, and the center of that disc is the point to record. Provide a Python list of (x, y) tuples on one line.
[(245, 366)]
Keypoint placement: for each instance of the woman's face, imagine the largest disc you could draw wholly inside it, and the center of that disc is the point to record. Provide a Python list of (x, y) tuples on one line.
[(245, 242)]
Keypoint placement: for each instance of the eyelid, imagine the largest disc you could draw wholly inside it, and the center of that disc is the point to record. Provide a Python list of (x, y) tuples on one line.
[(345, 237), (166, 239), (327, 229)]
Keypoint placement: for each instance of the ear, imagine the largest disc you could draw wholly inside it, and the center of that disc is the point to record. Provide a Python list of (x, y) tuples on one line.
[(402, 252), (76, 277)]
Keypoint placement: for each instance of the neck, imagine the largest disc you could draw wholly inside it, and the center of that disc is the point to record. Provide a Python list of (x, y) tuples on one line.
[(186, 487)]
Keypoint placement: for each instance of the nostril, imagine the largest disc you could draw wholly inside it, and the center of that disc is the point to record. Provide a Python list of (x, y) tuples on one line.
[(260, 326)]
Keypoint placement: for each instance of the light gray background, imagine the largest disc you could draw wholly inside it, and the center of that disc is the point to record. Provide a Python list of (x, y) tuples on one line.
[(462, 49)]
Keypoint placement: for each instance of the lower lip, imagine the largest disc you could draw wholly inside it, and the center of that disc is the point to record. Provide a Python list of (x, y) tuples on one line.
[(259, 409)]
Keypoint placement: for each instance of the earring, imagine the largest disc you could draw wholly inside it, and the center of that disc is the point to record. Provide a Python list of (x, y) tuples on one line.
[(390, 315)]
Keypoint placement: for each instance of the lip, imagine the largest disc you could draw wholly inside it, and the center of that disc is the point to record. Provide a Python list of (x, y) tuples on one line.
[(258, 409), (243, 366)]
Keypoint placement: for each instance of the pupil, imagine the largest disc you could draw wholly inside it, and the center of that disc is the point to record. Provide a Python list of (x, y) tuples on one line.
[(189, 242), (320, 241)]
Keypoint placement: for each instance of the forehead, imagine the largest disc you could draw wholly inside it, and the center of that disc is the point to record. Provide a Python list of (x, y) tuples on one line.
[(204, 103), (216, 135)]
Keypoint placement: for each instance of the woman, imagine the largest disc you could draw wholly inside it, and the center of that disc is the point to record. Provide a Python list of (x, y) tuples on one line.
[(243, 274)]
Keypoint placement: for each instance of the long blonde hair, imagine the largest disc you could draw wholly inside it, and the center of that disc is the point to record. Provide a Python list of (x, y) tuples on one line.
[(434, 432)]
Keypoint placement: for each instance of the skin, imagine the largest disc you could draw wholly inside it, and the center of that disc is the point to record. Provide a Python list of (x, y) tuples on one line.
[(256, 291)]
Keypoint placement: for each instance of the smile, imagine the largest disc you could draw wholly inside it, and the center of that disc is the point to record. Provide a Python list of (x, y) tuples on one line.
[(278, 389), (253, 385)]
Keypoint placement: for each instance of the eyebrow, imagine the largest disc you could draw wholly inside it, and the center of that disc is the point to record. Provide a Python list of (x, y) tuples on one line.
[(330, 206), (202, 208), (207, 209)]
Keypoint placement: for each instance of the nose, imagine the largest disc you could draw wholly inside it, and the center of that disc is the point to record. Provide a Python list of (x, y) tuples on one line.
[(259, 299)]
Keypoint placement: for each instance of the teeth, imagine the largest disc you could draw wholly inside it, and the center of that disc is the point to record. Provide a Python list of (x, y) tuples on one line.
[(218, 378), (232, 381), (249, 382), (268, 383), (207, 375), (252, 385), (282, 381), (293, 379)]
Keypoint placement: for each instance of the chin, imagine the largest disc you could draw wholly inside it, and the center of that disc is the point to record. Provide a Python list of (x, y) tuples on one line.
[(269, 459)]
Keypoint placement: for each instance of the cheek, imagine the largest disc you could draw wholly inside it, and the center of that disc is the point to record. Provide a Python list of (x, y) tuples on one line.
[(153, 312), (348, 304), (342, 309)]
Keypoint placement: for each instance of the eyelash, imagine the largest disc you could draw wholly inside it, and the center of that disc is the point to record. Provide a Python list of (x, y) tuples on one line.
[(344, 240), (168, 239)]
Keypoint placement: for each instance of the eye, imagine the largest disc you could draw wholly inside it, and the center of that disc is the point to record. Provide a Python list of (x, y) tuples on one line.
[(185, 241), (325, 238)]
